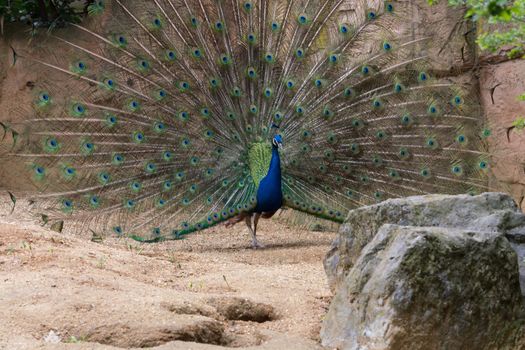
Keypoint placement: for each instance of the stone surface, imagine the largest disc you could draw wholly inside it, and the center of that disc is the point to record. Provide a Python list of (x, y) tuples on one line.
[(488, 212), (428, 288), (500, 86)]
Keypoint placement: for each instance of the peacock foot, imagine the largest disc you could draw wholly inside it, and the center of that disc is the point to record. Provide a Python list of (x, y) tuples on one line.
[(257, 245)]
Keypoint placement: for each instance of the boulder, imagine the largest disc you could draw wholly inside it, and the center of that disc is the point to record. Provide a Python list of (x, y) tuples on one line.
[(488, 212), (428, 287)]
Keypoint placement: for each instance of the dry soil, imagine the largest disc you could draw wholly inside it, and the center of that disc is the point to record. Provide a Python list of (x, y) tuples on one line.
[(209, 291)]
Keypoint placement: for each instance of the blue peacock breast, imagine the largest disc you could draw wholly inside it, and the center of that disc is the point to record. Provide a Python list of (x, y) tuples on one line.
[(269, 193)]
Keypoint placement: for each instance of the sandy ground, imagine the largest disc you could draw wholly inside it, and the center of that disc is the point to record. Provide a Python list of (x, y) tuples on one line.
[(209, 291)]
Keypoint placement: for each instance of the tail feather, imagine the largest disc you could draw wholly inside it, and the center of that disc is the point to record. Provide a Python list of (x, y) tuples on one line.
[(145, 126)]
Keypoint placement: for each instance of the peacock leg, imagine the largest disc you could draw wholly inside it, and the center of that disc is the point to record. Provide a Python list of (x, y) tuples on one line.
[(255, 243), (248, 220)]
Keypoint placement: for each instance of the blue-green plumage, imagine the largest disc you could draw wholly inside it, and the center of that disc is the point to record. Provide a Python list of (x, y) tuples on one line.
[(160, 126), (269, 193)]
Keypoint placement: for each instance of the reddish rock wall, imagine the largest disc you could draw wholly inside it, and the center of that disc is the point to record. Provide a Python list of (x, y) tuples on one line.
[(500, 85)]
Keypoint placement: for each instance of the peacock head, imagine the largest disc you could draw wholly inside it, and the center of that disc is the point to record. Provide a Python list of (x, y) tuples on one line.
[(277, 141)]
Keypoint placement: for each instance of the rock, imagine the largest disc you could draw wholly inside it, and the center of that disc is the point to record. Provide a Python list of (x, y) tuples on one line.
[(501, 85), (428, 287), (488, 212), (52, 337)]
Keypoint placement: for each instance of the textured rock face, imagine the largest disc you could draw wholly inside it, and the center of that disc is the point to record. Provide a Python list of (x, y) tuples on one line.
[(488, 212), (500, 86), (428, 272), (428, 288)]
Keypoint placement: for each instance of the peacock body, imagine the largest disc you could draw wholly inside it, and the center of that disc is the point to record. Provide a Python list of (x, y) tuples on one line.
[(168, 115)]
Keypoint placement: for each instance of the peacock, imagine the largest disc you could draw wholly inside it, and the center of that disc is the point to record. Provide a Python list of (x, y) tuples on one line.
[(161, 118)]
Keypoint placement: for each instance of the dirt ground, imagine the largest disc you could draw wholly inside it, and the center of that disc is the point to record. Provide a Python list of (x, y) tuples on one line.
[(209, 291)]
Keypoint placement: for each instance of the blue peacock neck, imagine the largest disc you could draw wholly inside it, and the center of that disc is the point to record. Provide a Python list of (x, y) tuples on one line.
[(274, 172)]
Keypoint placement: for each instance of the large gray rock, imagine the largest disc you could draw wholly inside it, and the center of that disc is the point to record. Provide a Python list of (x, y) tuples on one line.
[(429, 287), (488, 212)]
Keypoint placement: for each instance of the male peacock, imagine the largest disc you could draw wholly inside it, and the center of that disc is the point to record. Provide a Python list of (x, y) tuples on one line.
[(164, 117)]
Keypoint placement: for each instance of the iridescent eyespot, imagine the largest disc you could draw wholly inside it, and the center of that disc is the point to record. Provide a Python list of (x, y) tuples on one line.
[(457, 170), (87, 147), (129, 203), (268, 58), (109, 83), (219, 26), (236, 92), (425, 173), (377, 103), (406, 120), (184, 86), (348, 92), (167, 156), (302, 19), (136, 186), (205, 112), (225, 59), (78, 110), (171, 55), (398, 87), (196, 53), (214, 82), (161, 94), (118, 159), (344, 28), (251, 38), (251, 72), (143, 64), (403, 153), (333, 58), (431, 143), (39, 170), (134, 105), (461, 139), (248, 6), (67, 205), (122, 40), (44, 97), (138, 136), (69, 172), (111, 120), (150, 167)]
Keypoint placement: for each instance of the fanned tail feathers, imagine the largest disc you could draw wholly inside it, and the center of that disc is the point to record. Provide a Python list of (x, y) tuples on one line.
[(145, 127)]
